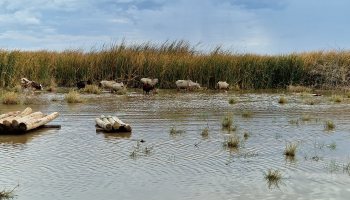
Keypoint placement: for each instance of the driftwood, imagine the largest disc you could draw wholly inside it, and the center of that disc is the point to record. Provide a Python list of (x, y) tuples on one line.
[(26, 126), (111, 124), (21, 122)]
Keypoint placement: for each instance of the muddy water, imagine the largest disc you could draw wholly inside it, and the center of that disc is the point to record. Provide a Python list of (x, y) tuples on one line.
[(75, 162)]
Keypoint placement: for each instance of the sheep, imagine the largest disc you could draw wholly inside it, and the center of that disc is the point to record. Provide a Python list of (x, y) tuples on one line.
[(148, 84), (112, 85), (222, 85), (187, 84)]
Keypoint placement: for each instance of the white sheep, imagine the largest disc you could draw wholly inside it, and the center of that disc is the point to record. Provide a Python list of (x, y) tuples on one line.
[(186, 84), (222, 85)]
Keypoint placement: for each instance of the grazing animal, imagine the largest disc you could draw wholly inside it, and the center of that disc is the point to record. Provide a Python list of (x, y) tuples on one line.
[(148, 84), (28, 84), (82, 84), (222, 85), (112, 85), (187, 84)]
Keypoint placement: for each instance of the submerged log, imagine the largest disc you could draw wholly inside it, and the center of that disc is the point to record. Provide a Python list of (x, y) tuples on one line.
[(105, 125), (32, 124)]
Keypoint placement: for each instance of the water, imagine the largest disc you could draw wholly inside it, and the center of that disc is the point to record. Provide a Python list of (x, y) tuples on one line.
[(76, 162)]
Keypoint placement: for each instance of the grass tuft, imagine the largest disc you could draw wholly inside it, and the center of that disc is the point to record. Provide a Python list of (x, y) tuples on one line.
[(73, 97), (7, 194), (232, 142), (273, 178), (298, 88), (205, 132), (247, 114), (10, 98), (232, 101), (282, 100), (227, 121), (329, 125), (336, 98), (290, 149), (92, 89)]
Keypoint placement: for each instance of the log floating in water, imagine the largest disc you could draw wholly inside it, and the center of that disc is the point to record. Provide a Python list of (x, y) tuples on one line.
[(21, 122), (26, 126), (111, 124)]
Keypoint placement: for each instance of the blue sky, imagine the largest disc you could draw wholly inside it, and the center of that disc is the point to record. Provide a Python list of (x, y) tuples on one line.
[(245, 26)]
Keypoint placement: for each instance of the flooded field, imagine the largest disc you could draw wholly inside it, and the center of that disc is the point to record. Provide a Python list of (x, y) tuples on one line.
[(76, 162)]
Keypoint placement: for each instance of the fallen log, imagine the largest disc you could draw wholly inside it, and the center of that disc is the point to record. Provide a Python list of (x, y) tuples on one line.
[(29, 125), (105, 125), (9, 114), (7, 121), (122, 125), (17, 120)]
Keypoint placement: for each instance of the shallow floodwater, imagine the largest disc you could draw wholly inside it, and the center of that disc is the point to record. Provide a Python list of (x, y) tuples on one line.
[(76, 162)]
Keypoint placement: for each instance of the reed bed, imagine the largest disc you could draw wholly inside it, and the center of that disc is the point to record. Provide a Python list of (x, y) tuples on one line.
[(175, 60), (10, 98)]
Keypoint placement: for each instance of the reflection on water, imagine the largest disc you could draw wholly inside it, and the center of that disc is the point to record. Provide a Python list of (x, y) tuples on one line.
[(76, 162)]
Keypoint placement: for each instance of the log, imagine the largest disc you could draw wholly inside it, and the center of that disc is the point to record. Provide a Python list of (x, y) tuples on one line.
[(17, 120), (26, 126), (8, 121), (122, 125), (9, 114), (115, 125), (106, 126)]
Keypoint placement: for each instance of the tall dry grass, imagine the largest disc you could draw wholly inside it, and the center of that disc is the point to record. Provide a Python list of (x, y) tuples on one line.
[(171, 61)]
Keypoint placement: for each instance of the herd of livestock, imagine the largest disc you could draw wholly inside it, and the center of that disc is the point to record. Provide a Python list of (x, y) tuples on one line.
[(148, 85)]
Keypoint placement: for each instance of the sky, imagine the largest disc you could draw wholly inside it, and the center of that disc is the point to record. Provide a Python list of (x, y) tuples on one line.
[(244, 26)]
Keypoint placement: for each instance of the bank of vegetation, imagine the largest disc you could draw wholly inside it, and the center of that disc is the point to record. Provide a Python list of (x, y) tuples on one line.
[(171, 61)]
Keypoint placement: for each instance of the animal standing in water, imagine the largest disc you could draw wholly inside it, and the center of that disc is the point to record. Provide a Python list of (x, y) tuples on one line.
[(187, 85), (148, 84), (222, 85), (83, 84)]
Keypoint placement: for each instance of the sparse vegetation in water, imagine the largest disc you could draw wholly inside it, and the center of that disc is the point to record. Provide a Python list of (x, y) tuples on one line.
[(290, 149), (7, 194), (329, 125), (205, 132), (332, 146), (175, 131), (346, 168), (311, 101), (294, 121), (333, 166), (336, 98), (73, 97), (232, 101), (10, 98), (247, 114), (227, 122), (306, 117), (232, 142), (282, 100), (246, 135), (53, 86), (273, 178), (17, 88), (92, 89)]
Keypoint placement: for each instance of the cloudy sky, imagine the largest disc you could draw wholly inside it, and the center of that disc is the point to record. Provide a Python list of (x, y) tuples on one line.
[(248, 26)]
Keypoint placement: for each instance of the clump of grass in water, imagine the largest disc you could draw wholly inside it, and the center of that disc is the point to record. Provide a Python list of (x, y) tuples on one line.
[(73, 97), (332, 146), (247, 114), (7, 194), (246, 135), (232, 142), (92, 89), (174, 131), (53, 85), (232, 101), (290, 150), (336, 98), (329, 125), (282, 100), (205, 132), (227, 121), (10, 98), (306, 118), (273, 178)]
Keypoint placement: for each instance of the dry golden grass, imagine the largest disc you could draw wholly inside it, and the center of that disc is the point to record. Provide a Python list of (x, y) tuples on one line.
[(73, 97), (298, 88), (10, 98), (282, 100), (92, 89), (290, 149)]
